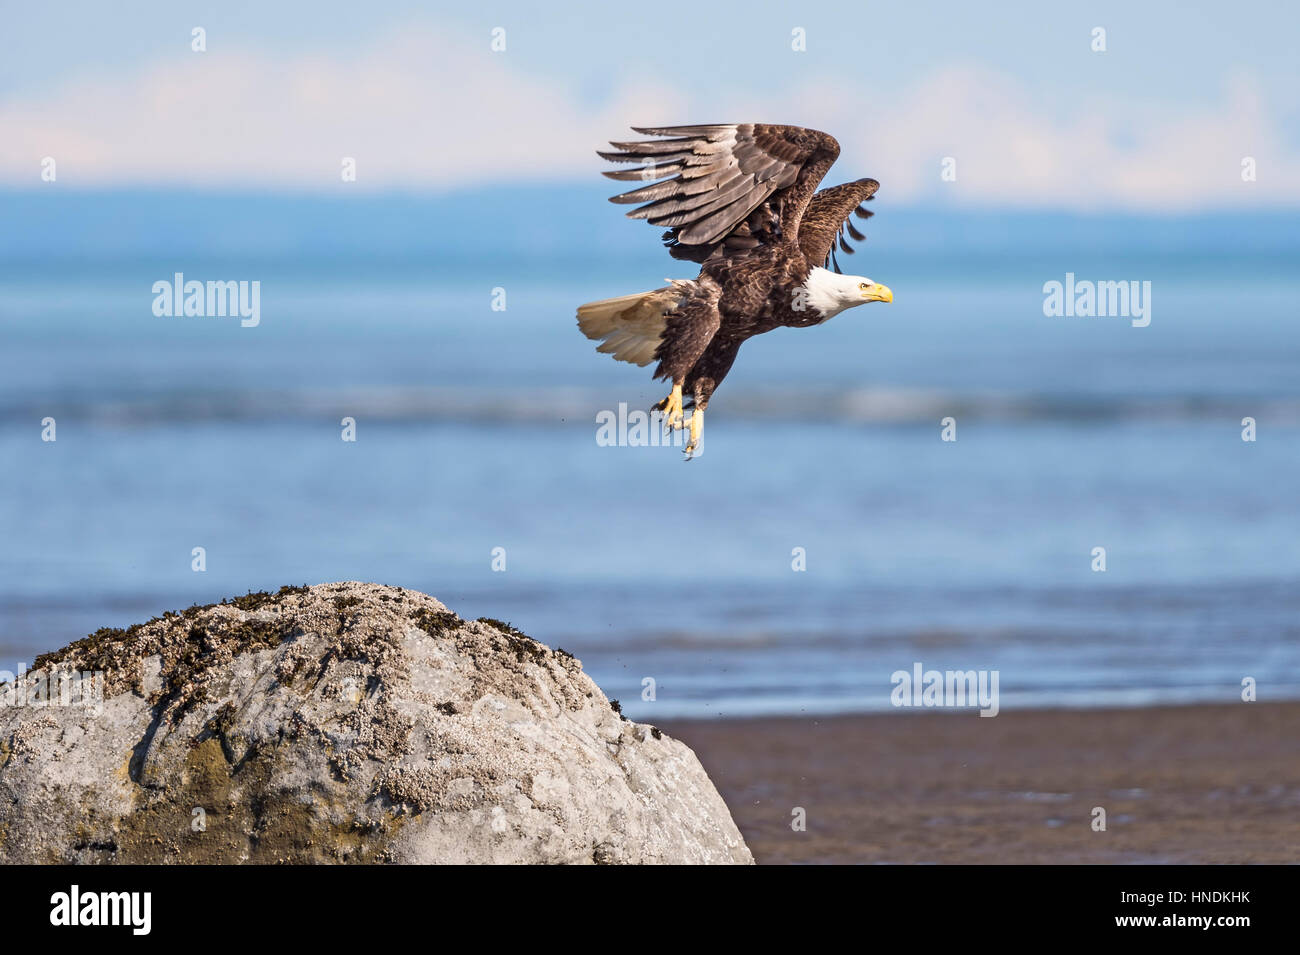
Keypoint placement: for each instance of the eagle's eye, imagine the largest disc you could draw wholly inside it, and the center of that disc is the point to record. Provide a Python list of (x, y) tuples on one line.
[(863, 286)]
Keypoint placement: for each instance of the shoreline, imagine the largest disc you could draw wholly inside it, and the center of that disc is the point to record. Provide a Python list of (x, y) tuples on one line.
[(1216, 783)]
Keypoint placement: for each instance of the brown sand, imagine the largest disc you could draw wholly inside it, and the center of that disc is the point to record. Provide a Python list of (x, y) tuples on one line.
[(1208, 784)]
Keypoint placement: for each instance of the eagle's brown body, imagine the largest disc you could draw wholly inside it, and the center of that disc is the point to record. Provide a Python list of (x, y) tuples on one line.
[(741, 202)]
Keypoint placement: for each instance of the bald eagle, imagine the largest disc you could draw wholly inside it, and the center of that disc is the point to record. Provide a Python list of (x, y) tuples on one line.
[(739, 201)]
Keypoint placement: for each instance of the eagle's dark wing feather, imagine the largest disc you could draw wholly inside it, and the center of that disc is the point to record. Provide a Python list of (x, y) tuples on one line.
[(827, 219), (726, 188)]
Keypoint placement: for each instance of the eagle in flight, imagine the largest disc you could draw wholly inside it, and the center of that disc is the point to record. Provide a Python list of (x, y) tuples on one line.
[(740, 201)]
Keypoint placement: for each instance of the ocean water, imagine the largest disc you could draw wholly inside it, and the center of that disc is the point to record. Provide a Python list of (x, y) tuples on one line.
[(476, 430)]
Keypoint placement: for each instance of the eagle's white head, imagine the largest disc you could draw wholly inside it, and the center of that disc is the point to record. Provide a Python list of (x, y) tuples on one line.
[(831, 293)]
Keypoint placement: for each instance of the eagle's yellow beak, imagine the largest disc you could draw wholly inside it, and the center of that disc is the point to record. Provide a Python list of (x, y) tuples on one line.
[(878, 293)]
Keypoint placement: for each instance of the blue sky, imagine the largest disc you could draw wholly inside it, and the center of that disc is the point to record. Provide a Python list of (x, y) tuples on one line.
[(1013, 92)]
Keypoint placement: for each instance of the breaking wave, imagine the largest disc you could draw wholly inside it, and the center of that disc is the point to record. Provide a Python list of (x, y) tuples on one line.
[(555, 406)]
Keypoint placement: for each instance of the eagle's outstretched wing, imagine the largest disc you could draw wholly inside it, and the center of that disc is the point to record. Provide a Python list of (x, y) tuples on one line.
[(827, 220), (731, 188)]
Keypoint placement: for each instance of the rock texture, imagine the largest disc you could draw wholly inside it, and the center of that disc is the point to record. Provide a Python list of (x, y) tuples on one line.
[(344, 723)]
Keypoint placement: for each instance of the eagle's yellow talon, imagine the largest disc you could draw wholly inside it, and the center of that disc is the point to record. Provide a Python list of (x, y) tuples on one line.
[(696, 426), (671, 407)]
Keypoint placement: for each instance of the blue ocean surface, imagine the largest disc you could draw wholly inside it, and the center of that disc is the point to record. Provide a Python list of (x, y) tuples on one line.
[(678, 584)]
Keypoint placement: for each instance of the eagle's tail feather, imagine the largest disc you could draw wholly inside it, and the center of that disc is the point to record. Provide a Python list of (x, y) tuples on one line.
[(629, 327)]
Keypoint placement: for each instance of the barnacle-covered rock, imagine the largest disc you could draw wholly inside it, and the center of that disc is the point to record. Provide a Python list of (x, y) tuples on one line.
[(344, 722)]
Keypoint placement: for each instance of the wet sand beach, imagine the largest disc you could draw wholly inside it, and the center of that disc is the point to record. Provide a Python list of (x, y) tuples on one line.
[(1186, 784)]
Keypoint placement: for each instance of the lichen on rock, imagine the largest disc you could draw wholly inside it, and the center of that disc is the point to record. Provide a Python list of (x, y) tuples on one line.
[(344, 722)]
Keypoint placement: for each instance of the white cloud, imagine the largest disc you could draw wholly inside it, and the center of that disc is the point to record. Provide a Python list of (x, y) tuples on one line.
[(1099, 154), (423, 110), (415, 111)]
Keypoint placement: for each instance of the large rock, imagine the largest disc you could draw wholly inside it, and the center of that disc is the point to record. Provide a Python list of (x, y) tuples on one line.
[(342, 723)]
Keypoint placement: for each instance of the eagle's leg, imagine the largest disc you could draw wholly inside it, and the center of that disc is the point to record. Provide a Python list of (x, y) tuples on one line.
[(672, 407), (696, 426)]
